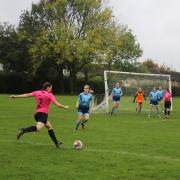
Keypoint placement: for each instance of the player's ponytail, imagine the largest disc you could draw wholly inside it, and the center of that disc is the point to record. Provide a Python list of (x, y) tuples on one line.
[(46, 85)]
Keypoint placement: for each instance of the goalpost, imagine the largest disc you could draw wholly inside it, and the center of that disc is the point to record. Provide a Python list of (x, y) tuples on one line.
[(130, 82)]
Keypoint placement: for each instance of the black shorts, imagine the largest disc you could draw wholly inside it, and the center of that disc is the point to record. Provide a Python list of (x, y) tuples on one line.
[(140, 103), (167, 104), (116, 98), (83, 110), (155, 103), (41, 117)]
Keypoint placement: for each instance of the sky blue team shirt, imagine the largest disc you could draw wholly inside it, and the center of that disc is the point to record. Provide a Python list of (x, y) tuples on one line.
[(117, 92), (153, 96), (85, 99), (160, 93)]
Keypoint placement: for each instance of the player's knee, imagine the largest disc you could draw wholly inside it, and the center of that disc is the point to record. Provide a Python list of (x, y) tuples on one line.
[(86, 118), (80, 118), (49, 127), (38, 128)]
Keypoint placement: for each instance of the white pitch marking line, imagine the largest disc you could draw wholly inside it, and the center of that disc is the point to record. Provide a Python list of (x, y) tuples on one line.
[(162, 158)]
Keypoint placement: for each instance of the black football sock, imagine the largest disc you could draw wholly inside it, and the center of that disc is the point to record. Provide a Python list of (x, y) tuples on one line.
[(168, 113), (52, 135), (30, 129), (165, 112)]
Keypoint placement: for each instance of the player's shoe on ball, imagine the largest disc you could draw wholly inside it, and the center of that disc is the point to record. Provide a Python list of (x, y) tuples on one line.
[(58, 144), (20, 133)]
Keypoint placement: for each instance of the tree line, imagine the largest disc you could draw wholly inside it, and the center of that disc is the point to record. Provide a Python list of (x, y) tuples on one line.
[(81, 37)]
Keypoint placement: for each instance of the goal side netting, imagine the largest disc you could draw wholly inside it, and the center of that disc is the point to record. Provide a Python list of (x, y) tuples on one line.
[(130, 82)]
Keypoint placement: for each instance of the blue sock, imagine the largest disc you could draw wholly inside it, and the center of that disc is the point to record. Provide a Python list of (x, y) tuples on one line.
[(77, 124), (113, 109)]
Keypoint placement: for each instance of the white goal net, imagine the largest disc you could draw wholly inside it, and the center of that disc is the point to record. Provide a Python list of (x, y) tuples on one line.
[(130, 82)]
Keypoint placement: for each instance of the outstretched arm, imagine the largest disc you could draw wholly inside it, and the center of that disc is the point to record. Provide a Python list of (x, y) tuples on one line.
[(144, 97), (22, 95), (121, 93), (111, 95), (78, 101), (134, 98), (91, 107), (149, 97), (77, 104), (60, 105)]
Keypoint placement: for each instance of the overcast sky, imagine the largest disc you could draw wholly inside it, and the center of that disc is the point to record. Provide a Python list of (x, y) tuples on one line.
[(156, 24)]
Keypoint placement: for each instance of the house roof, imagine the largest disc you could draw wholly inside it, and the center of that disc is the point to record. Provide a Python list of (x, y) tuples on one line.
[(175, 76)]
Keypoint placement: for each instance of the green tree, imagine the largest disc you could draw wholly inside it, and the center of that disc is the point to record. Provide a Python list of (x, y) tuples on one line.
[(127, 50), (153, 67), (74, 34), (13, 50), (69, 33)]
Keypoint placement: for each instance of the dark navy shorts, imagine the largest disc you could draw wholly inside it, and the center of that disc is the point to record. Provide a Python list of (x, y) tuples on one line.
[(116, 98), (154, 102), (83, 110)]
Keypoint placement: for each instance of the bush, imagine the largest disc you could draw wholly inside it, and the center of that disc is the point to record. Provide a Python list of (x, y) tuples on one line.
[(96, 84), (13, 82), (176, 91)]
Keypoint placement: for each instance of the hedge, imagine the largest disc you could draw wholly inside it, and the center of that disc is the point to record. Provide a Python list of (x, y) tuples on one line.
[(12, 82)]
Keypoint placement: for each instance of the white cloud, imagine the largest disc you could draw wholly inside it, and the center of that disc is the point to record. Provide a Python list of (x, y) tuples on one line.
[(10, 10), (156, 25)]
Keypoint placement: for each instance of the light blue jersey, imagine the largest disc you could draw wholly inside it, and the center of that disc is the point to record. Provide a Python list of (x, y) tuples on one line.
[(85, 100), (117, 92), (154, 96), (160, 94)]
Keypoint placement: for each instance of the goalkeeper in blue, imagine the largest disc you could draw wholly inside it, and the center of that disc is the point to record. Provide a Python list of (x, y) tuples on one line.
[(161, 95), (116, 97), (84, 104), (160, 92), (154, 102)]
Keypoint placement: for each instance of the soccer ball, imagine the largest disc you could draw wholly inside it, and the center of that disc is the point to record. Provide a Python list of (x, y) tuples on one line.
[(77, 145)]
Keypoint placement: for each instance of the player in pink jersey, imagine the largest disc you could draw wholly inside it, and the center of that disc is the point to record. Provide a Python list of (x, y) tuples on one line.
[(44, 98), (167, 103)]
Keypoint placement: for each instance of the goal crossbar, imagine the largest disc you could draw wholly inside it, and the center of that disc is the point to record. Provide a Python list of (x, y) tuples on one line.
[(132, 73)]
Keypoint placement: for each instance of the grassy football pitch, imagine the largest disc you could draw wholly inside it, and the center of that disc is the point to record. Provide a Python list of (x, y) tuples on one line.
[(125, 146)]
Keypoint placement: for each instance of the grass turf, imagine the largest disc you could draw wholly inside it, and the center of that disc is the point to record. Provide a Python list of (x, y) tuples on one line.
[(126, 146)]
